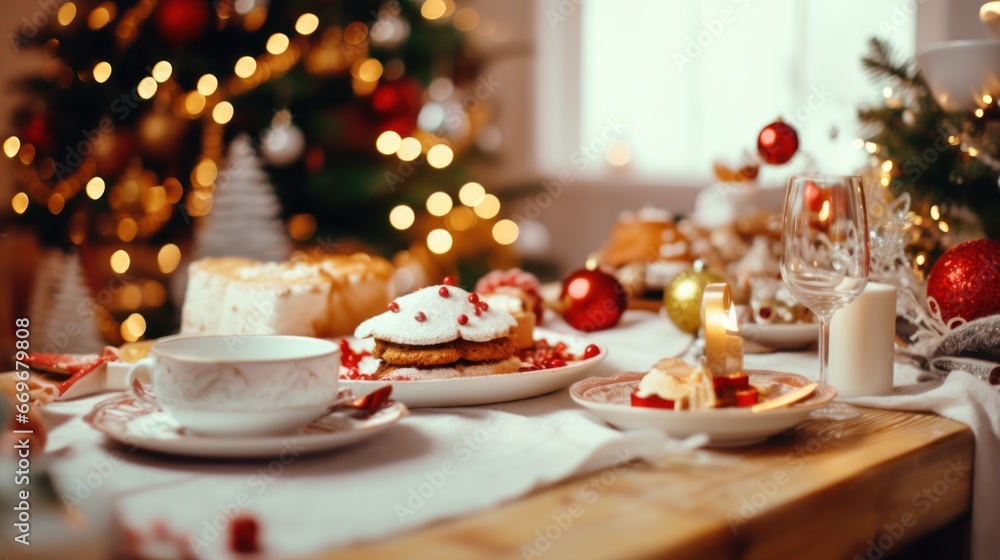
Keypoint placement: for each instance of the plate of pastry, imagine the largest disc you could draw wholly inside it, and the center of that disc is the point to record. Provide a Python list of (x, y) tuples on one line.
[(444, 346), (682, 400)]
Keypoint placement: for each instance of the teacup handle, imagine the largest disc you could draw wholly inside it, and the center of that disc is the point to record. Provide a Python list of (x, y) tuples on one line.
[(135, 386)]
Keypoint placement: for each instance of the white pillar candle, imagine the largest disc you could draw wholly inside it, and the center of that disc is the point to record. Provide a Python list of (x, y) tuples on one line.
[(862, 337)]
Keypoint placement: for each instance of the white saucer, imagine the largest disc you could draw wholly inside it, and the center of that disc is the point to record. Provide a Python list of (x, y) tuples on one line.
[(610, 399), (486, 389), (136, 424)]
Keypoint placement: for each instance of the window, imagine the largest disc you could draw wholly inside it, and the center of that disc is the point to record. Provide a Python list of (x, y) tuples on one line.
[(673, 86)]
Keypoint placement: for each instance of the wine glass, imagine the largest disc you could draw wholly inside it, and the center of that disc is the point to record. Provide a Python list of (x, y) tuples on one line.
[(824, 255)]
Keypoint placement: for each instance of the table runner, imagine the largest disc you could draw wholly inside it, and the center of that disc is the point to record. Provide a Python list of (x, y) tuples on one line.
[(436, 464)]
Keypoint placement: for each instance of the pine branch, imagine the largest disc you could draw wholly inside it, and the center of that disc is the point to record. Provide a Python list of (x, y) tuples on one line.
[(882, 63)]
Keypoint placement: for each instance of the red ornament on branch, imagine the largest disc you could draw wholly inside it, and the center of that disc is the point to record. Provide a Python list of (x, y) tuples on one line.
[(965, 281), (777, 143), (592, 300), (181, 22)]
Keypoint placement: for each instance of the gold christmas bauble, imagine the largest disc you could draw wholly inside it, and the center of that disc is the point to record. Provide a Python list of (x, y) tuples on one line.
[(682, 299)]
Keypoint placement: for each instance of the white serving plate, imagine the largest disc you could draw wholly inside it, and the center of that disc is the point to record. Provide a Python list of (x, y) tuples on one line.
[(610, 399), (136, 424), (486, 389)]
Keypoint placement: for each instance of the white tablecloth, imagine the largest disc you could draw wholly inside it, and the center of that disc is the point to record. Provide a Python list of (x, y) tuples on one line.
[(393, 483)]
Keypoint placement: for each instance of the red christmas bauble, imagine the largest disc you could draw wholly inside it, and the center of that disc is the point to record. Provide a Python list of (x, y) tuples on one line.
[(592, 300), (965, 281), (38, 133), (777, 143), (180, 22)]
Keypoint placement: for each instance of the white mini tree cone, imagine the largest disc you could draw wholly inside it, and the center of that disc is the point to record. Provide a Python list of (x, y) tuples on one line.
[(68, 322), (245, 217)]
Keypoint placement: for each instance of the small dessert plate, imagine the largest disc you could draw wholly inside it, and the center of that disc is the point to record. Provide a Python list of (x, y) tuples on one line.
[(137, 424), (610, 399), (780, 336), (486, 389)]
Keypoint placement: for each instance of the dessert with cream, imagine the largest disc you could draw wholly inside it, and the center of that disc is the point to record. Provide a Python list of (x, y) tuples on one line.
[(440, 332), (517, 292), (322, 297), (678, 385)]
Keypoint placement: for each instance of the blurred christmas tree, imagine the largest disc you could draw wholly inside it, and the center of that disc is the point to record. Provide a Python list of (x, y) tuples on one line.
[(948, 162), (359, 109)]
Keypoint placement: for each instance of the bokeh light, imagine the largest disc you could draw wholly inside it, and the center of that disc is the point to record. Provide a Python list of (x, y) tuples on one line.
[(102, 71), (120, 261), (439, 241), (505, 232), (95, 188), (133, 327), (168, 258), (161, 71), (488, 207), (471, 194), (306, 24), (19, 203), (245, 66), (440, 156), (388, 142), (409, 149), (207, 84), (223, 112), (401, 217), (277, 43), (433, 9), (11, 146), (439, 203), (146, 87)]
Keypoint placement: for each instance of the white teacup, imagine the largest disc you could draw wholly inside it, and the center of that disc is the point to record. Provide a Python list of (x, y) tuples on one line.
[(241, 385)]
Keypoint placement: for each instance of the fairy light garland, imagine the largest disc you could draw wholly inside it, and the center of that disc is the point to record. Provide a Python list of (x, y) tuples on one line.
[(210, 103)]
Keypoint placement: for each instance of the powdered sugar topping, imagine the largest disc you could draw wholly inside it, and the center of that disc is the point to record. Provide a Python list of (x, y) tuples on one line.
[(440, 322)]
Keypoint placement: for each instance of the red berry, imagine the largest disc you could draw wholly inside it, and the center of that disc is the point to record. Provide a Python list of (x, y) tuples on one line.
[(448, 281), (243, 535), (591, 351), (394, 307), (473, 297), (463, 319), (651, 401), (554, 363), (478, 311), (484, 305), (420, 317), (765, 313), (443, 292)]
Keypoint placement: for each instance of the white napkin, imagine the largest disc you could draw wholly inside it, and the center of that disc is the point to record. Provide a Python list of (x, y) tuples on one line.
[(966, 399), (438, 463)]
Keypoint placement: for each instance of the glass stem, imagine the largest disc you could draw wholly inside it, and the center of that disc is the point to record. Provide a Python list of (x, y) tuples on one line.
[(824, 348)]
